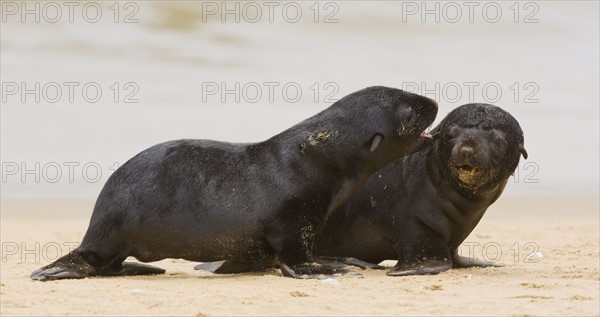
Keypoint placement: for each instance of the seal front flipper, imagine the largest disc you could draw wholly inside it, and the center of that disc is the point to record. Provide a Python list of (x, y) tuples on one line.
[(426, 254), (420, 268), (459, 261), (310, 270), (292, 243), (344, 260)]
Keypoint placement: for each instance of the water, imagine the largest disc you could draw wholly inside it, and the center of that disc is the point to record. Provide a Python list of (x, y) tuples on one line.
[(546, 73)]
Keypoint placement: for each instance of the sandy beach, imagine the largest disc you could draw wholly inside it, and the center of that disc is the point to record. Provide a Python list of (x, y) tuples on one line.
[(555, 272), (149, 66)]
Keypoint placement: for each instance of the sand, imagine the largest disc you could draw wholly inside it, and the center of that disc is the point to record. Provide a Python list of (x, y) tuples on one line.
[(557, 273)]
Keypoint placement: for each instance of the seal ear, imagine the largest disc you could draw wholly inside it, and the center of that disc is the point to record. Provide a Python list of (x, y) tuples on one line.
[(523, 151), (435, 133), (377, 138)]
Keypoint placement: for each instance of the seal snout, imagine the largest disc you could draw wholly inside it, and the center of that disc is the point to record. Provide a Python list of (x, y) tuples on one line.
[(466, 152), (422, 114), (466, 161)]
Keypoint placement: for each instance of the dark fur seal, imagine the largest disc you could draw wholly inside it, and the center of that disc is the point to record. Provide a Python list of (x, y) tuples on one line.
[(203, 200), (421, 208)]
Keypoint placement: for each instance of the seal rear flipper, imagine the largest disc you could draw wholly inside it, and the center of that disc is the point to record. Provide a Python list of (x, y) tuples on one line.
[(72, 265), (224, 267), (132, 268), (421, 268), (342, 260), (459, 261), (209, 266), (232, 267), (57, 273)]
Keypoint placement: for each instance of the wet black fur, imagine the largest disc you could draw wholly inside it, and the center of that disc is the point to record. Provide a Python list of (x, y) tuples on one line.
[(204, 200), (416, 210)]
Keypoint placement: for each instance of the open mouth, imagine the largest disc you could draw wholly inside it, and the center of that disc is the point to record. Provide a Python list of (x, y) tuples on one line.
[(466, 169), (466, 173)]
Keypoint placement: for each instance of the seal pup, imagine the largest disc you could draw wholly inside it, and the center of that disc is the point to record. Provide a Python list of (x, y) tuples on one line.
[(203, 200), (422, 207)]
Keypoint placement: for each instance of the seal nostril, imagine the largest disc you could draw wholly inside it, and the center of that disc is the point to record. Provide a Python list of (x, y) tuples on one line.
[(466, 152)]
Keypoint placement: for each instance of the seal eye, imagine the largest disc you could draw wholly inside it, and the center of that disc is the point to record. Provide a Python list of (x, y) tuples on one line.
[(410, 117), (499, 143), (498, 140), (451, 133)]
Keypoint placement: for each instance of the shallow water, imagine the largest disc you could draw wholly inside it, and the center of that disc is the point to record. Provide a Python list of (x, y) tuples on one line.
[(546, 73)]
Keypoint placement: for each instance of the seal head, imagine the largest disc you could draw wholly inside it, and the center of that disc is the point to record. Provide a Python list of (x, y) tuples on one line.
[(479, 147)]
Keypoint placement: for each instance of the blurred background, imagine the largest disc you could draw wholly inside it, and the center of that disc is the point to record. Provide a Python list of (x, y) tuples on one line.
[(87, 85)]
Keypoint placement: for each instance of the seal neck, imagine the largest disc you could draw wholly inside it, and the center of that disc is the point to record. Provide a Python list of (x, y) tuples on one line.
[(333, 151), (467, 207)]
